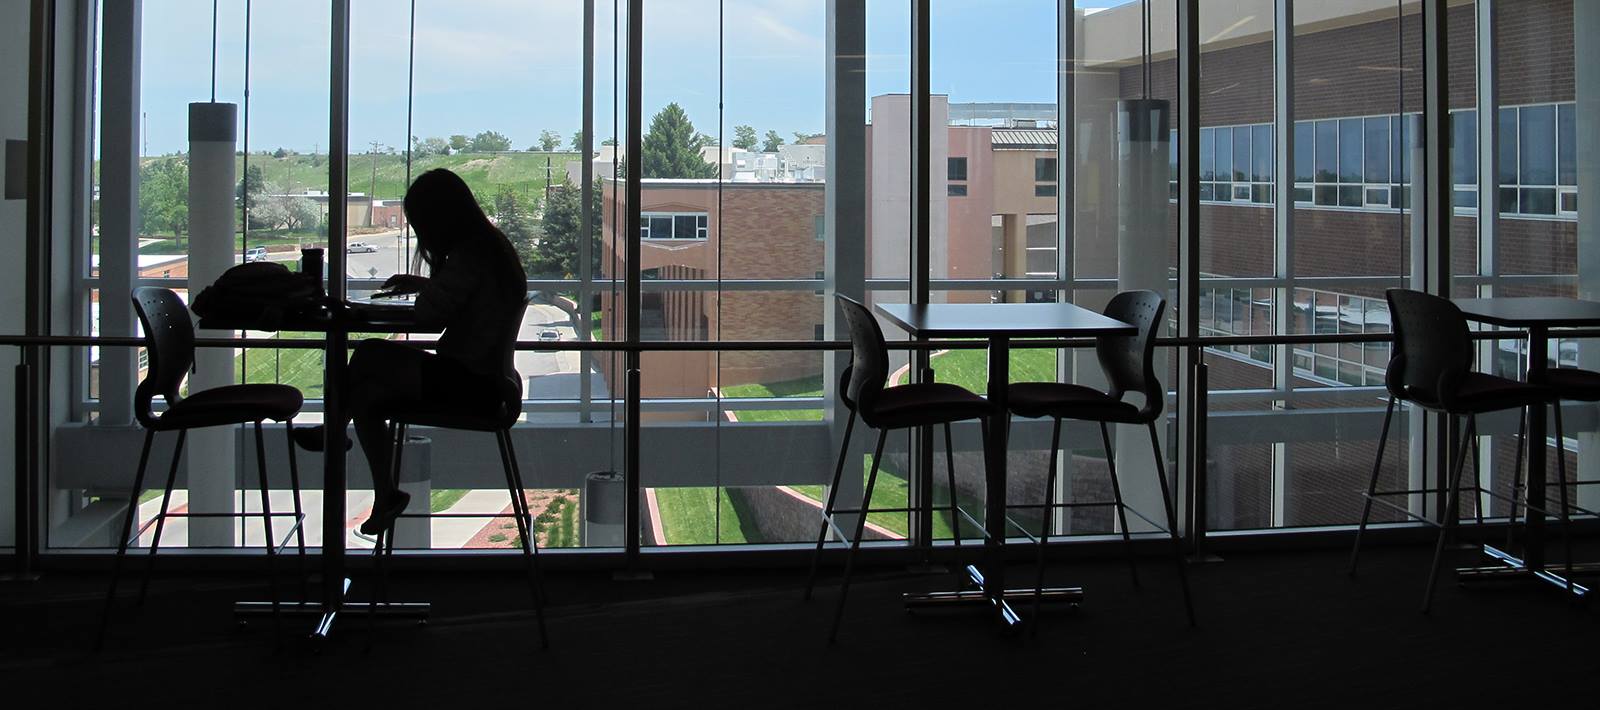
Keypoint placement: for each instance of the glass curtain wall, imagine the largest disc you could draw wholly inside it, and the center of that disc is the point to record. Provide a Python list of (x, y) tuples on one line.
[(1309, 156), (1535, 158), (1308, 119)]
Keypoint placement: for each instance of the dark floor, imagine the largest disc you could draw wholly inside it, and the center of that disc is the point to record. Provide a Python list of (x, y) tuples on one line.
[(1281, 630)]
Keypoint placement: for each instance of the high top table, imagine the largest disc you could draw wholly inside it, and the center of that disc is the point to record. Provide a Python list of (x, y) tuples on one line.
[(1537, 315), (999, 324), (337, 324)]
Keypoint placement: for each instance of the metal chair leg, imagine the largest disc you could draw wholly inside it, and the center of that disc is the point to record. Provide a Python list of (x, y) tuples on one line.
[(1561, 483), (950, 480), (1452, 509), (1122, 508), (855, 542), (1372, 487), (299, 512), (827, 508), (127, 531), (530, 545), (161, 518), (266, 523), (1044, 529), (1477, 481), (1172, 522), (1516, 478), (381, 545)]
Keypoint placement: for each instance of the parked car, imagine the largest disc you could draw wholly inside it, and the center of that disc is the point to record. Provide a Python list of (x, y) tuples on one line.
[(360, 248), (255, 254)]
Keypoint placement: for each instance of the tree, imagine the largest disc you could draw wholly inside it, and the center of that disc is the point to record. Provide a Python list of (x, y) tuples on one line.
[(609, 141), (429, 146), (488, 142), (706, 141), (513, 219), (558, 247), (164, 197), (672, 147), (458, 143), (300, 213), (250, 187), (803, 137), (577, 142), (549, 141), (744, 138), (280, 154), (773, 141)]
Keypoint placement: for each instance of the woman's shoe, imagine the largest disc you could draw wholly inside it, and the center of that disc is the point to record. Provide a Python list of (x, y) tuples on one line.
[(382, 520)]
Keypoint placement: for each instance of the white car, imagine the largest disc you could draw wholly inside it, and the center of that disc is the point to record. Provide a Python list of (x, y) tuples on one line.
[(255, 254), (360, 248), (549, 335)]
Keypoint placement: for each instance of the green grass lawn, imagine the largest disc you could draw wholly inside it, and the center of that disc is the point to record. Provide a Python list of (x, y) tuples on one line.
[(970, 368), (893, 491), (440, 500), (802, 387), (299, 368), (689, 516)]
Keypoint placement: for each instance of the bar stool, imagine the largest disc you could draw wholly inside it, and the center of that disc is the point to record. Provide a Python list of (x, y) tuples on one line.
[(1566, 383), (1129, 367), (169, 345), (497, 420), (863, 391), (1432, 369)]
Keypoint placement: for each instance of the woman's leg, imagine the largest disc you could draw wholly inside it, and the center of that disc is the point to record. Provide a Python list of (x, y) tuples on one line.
[(382, 373)]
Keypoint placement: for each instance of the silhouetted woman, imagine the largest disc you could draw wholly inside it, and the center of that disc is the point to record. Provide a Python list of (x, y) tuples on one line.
[(475, 294)]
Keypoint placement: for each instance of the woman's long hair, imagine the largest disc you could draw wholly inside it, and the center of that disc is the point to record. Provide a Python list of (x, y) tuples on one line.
[(444, 214)]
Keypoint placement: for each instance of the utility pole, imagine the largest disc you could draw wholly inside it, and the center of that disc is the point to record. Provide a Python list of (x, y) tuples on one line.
[(372, 187)]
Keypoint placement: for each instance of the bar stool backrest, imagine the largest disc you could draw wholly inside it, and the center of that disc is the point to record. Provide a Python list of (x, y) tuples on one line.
[(508, 364), (1128, 360), (1432, 347), (869, 359), (169, 347)]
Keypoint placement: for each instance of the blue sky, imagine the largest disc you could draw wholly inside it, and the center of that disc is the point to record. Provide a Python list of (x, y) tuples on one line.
[(515, 66)]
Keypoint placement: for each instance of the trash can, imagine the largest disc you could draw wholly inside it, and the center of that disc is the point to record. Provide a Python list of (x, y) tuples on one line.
[(603, 513)]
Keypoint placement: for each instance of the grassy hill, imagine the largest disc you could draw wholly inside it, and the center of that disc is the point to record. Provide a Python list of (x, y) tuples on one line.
[(487, 173)]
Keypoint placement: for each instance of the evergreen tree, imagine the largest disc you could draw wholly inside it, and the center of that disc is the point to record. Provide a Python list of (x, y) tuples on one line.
[(558, 245), (513, 219), (672, 147)]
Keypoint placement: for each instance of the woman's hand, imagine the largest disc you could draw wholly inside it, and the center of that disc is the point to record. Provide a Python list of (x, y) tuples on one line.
[(401, 284)]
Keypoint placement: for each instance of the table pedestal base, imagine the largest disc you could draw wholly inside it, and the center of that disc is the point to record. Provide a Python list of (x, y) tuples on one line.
[(325, 615), (982, 598), (1509, 567)]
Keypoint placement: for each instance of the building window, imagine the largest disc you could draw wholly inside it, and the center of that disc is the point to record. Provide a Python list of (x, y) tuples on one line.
[(1044, 190), (1044, 169), (1538, 159), (957, 169), (957, 190), (673, 225), (1235, 164)]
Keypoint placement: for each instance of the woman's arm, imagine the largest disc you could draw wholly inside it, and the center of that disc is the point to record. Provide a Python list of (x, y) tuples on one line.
[(401, 284), (442, 297)]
